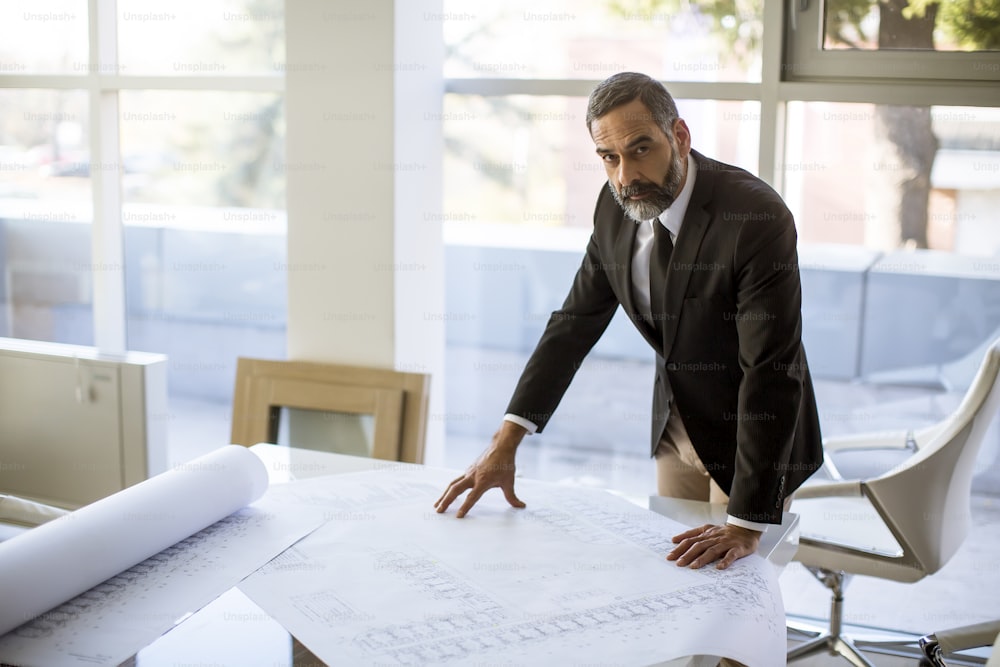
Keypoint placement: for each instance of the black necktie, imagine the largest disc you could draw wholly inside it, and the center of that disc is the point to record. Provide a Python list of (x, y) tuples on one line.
[(659, 263)]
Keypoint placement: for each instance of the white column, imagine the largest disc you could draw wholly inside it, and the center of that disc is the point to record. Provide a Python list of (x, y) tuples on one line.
[(363, 168)]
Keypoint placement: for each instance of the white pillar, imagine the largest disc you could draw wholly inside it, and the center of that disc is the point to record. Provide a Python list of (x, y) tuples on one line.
[(363, 167)]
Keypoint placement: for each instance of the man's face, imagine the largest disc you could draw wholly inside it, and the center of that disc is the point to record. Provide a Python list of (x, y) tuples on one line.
[(646, 168)]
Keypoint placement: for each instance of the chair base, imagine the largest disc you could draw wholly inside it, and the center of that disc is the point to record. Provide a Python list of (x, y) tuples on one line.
[(832, 640), (835, 645), (869, 641)]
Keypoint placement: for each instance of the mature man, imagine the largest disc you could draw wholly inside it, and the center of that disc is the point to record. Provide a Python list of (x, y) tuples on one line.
[(701, 256)]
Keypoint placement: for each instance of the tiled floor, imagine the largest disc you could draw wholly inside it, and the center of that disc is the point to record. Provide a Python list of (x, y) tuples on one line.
[(966, 590)]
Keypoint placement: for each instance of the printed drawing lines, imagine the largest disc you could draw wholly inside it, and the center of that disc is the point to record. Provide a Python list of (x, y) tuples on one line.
[(428, 578), (565, 523), (626, 525), (578, 576), (444, 638), (154, 572), (327, 608), (477, 624)]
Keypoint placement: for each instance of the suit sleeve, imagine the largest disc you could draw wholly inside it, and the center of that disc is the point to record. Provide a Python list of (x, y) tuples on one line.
[(769, 326), (569, 335)]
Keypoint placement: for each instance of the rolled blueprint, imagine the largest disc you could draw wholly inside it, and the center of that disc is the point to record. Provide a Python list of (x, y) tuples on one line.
[(53, 563)]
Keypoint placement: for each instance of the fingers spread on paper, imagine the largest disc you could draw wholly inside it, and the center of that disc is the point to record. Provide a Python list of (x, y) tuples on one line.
[(477, 480), (700, 546)]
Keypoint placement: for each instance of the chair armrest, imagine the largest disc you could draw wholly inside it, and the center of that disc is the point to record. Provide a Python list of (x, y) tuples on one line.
[(969, 636), (848, 489), (880, 440)]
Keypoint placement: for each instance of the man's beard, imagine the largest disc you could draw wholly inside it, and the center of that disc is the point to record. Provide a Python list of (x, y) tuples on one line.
[(662, 196)]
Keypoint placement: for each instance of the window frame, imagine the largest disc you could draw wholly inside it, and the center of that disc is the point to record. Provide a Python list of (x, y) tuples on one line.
[(806, 60)]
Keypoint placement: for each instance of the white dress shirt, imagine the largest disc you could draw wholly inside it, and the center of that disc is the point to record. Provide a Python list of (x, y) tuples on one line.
[(671, 218)]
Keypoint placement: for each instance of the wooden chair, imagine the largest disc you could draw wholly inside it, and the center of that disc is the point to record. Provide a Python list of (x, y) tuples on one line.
[(397, 400)]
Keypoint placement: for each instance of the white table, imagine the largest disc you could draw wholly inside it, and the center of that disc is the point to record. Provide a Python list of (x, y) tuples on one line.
[(233, 630)]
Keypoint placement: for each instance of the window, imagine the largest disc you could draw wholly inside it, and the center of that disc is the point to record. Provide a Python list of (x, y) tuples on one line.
[(592, 39), (882, 175), (44, 37), (526, 159), (45, 211), (519, 75), (201, 37), (163, 150)]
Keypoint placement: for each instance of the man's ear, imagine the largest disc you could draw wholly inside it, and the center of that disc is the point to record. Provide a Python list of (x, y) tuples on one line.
[(683, 137)]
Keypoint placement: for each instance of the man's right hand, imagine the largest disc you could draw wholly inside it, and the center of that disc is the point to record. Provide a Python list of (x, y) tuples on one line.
[(493, 468)]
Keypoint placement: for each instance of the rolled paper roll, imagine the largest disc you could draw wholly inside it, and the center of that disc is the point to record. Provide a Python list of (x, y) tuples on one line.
[(48, 565)]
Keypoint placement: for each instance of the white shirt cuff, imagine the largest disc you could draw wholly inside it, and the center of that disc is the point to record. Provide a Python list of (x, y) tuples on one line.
[(749, 525), (521, 421)]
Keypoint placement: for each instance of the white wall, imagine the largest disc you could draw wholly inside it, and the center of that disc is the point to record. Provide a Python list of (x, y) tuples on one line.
[(365, 266)]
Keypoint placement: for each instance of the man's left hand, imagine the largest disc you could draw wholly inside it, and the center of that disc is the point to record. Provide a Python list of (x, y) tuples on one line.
[(707, 544)]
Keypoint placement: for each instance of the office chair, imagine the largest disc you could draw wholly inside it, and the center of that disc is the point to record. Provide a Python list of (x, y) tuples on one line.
[(936, 646), (901, 525)]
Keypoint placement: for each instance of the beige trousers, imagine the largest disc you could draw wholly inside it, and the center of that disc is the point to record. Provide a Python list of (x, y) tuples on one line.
[(679, 471)]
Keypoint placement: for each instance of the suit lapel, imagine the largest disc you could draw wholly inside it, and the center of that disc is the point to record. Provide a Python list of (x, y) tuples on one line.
[(685, 254)]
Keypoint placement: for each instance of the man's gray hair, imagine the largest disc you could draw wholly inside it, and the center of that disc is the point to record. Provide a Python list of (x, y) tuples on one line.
[(622, 88)]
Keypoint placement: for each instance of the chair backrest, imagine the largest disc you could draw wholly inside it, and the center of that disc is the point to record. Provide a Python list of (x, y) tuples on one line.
[(926, 500), (397, 400)]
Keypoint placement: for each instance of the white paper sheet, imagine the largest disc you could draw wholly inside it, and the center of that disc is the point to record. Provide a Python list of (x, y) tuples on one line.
[(105, 580), (579, 576)]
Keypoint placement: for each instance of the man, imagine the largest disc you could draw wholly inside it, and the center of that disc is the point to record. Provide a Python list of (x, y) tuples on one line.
[(701, 256)]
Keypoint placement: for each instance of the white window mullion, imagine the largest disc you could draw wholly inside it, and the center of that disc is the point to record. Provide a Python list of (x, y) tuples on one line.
[(771, 130), (107, 234)]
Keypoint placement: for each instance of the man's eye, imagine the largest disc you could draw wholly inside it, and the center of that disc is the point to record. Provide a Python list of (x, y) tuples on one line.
[(610, 158), (641, 150)]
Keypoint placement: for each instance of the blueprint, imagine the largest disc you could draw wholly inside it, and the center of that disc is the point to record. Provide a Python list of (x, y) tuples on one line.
[(578, 576), (111, 620)]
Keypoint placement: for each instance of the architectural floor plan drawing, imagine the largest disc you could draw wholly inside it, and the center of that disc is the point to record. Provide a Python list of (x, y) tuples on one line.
[(111, 620), (577, 576)]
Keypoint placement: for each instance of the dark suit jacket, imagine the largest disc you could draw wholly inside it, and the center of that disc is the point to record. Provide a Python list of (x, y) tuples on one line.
[(731, 337)]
